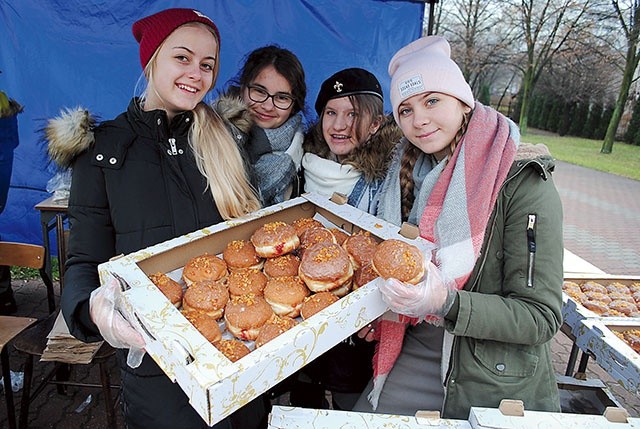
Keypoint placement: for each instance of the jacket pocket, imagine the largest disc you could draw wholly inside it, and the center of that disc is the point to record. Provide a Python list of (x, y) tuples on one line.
[(505, 359)]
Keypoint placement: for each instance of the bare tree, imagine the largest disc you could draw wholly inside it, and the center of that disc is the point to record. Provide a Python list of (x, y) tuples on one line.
[(480, 43), (581, 71), (628, 16), (546, 26)]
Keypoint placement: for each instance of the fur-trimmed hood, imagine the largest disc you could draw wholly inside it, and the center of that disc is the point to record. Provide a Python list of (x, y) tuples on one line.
[(234, 111), (536, 154), (71, 133), (371, 158)]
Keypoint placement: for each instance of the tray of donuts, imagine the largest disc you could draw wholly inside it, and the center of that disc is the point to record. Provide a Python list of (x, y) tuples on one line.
[(231, 310), (615, 346), (605, 297)]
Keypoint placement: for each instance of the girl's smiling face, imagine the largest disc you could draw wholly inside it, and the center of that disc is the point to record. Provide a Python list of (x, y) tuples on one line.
[(183, 70), (431, 120), (339, 122), (266, 114)]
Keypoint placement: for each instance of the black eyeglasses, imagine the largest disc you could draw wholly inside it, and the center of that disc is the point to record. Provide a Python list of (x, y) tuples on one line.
[(280, 99)]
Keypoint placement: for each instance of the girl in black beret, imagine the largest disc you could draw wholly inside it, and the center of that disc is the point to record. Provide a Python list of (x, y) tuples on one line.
[(346, 151)]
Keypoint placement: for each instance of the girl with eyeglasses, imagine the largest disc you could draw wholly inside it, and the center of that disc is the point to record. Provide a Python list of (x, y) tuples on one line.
[(272, 84)]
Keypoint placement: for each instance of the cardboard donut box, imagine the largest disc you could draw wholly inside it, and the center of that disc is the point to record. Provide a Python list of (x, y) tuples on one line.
[(614, 355), (510, 415), (216, 386), (573, 312), (594, 334)]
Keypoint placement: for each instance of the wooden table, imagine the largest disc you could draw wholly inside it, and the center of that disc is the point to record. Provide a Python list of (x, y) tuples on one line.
[(52, 215)]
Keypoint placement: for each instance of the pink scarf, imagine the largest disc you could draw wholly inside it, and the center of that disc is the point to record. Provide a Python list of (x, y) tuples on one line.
[(462, 201)]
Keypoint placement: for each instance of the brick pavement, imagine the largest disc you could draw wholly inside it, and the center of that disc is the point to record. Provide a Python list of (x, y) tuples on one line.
[(601, 217), (601, 224), (601, 220)]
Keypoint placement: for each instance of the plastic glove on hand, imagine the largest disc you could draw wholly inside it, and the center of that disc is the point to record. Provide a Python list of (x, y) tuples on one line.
[(430, 297), (115, 329)]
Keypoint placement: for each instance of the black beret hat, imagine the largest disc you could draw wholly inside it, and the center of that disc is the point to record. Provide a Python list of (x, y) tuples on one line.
[(347, 82)]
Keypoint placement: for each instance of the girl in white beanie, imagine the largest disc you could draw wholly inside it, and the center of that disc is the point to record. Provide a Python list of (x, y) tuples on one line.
[(476, 330)]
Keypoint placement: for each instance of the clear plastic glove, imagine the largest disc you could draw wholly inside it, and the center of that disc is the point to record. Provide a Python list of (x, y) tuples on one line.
[(430, 297), (115, 329), (295, 150)]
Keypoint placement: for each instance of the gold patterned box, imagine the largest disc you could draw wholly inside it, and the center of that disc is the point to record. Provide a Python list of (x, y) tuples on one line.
[(495, 418), (215, 386), (305, 418), (505, 417)]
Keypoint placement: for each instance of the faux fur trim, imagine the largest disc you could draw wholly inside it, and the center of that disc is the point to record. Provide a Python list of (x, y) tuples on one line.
[(69, 134), (234, 110), (372, 158), (531, 151)]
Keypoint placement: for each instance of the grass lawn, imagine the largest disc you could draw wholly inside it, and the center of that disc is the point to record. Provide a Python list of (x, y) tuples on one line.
[(623, 161)]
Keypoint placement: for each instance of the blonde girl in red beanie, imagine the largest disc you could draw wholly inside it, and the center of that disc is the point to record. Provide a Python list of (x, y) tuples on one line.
[(477, 328), (167, 166)]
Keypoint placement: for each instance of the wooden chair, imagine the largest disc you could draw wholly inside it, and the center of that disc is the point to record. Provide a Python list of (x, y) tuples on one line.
[(10, 327), (33, 341), (28, 256)]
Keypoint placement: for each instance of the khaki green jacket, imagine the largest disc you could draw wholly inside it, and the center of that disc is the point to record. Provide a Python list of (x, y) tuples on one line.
[(501, 336)]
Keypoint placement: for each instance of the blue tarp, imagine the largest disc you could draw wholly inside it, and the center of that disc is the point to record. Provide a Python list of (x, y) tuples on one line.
[(66, 53)]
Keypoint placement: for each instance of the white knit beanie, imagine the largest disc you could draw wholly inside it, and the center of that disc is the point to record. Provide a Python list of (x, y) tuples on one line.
[(425, 65)]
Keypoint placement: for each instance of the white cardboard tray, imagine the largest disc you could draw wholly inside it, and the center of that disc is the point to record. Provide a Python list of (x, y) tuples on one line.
[(215, 386)]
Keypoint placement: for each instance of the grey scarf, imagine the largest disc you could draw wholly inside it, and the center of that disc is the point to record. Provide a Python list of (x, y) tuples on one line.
[(274, 169)]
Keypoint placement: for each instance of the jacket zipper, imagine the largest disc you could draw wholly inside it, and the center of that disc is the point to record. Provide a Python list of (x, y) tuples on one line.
[(531, 244), (174, 148)]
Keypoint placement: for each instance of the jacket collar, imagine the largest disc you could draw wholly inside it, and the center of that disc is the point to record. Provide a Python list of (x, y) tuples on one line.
[(157, 122)]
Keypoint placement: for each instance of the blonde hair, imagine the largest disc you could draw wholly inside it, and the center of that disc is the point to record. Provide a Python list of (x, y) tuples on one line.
[(218, 159), (216, 152), (408, 162)]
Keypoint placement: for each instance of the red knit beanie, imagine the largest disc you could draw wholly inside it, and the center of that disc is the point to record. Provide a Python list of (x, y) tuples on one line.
[(151, 31)]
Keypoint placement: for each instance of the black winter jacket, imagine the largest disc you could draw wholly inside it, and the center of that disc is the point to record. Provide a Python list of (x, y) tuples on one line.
[(135, 184)]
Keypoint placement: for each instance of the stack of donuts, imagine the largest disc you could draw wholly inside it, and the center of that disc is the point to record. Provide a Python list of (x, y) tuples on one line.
[(259, 288), (631, 337), (607, 299)]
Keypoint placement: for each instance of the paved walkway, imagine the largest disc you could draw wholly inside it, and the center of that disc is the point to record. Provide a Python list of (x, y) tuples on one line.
[(601, 217), (601, 225)]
